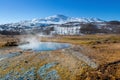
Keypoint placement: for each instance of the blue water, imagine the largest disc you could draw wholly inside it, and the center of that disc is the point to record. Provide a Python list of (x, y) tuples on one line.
[(44, 46)]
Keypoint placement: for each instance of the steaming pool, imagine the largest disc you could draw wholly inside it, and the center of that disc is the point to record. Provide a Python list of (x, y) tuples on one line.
[(44, 46)]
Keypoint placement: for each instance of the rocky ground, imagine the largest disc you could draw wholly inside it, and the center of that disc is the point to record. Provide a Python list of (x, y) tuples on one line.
[(90, 57), (50, 65)]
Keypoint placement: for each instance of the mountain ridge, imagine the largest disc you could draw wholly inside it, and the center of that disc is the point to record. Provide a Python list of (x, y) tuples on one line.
[(55, 19)]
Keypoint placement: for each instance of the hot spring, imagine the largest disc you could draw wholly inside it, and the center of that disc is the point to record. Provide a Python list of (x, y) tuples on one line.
[(44, 46)]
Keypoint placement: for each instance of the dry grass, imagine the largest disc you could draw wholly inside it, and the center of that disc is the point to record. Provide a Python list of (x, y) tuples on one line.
[(103, 49), (105, 46), (67, 68)]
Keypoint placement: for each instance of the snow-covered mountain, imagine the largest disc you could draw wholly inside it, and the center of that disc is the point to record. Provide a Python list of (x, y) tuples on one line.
[(60, 24), (60, 19), (45, 23), (56, 19)]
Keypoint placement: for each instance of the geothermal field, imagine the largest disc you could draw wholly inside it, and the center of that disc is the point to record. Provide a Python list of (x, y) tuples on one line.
[(35, 57), (59, 39)]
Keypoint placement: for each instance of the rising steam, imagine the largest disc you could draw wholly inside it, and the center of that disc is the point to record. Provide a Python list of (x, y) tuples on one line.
[(33, 43)]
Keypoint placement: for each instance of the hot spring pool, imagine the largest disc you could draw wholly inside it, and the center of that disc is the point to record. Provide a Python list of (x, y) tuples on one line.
[(44, 46)]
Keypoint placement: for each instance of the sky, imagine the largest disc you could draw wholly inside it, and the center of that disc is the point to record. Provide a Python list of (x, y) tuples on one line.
[(18, 10)]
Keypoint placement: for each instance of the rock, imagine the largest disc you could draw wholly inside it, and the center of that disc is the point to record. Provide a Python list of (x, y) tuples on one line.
[(28, 75), (52, 75)]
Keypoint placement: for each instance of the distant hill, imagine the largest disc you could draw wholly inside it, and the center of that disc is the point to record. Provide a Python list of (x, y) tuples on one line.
[(87, 25)]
